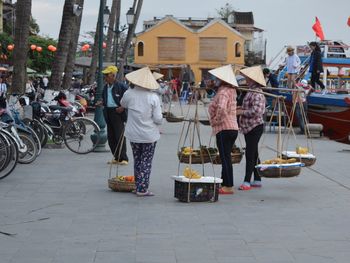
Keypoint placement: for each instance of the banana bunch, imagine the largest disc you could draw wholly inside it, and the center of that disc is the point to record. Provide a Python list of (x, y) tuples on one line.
[(302, 150), (191, 174), (279, 161), (187, 151)]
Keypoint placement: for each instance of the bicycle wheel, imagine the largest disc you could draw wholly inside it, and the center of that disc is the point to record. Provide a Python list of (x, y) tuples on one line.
[(11, 155), (81, 135), (30, 155), (36, 140)]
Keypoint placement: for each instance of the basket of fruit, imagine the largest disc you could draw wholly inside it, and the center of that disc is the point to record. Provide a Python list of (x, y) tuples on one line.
[(172, 118), (197, 156), (192, 187), (122, 183), (279, 168), (236, 155), (301, 154)]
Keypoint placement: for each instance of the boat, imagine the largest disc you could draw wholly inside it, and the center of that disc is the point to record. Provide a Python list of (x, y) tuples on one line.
[(332, 109)]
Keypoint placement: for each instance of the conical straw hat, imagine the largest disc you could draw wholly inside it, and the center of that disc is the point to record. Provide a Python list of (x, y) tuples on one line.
[(143, 78), (157, 75), (255, 73), (225, 73)]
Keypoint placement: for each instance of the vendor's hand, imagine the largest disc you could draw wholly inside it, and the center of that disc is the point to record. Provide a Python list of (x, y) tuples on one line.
[(239, 111), (119, 109)]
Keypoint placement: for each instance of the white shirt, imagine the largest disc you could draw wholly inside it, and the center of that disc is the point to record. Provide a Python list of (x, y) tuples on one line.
[(144, 115), (45, 81), (293, 64), (3, 89)]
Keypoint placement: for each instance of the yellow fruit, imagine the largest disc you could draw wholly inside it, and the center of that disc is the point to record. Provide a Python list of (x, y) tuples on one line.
[(302, 150), (191, 174)]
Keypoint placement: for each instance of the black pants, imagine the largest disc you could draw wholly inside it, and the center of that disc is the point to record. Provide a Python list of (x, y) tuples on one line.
[(315, 78), (115, 129), (251, 153), (225, 141)]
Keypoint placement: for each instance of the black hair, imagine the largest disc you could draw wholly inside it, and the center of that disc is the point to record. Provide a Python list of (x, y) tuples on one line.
[(316, 45), (266, 71)]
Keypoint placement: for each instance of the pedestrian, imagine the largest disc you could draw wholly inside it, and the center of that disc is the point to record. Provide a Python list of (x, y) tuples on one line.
[(45, 82), (293, 67), (223, 120), (142, 127), (115, 115), (316, 66), (3, 88), (251, 123), (300, 100)]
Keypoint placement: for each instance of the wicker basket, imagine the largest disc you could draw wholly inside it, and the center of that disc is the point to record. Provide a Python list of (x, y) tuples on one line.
[(236, 158), (121, 186), (198, 158), (199, 192), (281, 172), (306, 161)]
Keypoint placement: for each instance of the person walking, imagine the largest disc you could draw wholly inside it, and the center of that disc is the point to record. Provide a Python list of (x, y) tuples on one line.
[(293, 67), (251, 123), (223, 120), (3, 88), (142, 127), (115, 115), (316, 66)]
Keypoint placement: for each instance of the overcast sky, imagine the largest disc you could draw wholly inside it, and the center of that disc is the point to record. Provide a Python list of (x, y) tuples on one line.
[(286, 22)]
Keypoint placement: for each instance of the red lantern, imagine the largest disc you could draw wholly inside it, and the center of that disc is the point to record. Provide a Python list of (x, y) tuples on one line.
[(10, 47), (33, 47), (104, 45), (50, 47), (53, 49), (39, 49), (87, 46)]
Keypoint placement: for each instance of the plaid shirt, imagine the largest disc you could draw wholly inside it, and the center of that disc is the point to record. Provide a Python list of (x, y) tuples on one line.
[(222, 110), (253, 110)]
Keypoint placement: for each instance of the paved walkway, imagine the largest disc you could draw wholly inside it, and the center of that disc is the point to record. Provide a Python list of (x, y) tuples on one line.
[(60, 210)]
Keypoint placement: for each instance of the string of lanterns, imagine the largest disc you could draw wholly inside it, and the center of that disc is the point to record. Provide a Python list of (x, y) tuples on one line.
[(34, 48)]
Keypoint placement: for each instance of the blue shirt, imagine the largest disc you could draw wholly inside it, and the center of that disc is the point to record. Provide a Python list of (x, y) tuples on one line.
[(110, 101)]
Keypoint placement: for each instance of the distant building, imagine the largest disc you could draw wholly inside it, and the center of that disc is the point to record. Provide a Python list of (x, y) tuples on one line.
[(171, 44), (7, 14)]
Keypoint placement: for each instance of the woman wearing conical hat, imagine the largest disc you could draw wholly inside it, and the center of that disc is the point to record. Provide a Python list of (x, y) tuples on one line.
[(144, 117), (251, 123), (223, 120)]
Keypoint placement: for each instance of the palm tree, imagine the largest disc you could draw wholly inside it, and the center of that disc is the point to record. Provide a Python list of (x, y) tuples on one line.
[(23, 12), (131, 31), (64, 40), (68, 71), (113, 24)]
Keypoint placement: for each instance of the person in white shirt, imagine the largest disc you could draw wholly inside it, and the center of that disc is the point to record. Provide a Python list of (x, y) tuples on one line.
[(142, 126), (293, 67), (46, 82), (3, 88)]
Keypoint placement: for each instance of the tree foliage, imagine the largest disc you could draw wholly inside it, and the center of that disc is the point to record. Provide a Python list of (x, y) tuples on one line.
[(225, 10), (40, 61)]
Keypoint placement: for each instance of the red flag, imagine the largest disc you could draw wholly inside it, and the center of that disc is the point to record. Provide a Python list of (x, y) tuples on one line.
[(349, 21), (318, 29)]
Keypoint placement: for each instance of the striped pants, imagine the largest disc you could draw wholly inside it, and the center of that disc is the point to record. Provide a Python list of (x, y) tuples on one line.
[(143, 155)]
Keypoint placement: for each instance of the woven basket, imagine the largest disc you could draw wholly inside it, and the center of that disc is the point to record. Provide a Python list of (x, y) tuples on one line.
[(209, 192), (197, 159), (306, 161), (170, 118), (121, 186), (283, 172), (236, 158)]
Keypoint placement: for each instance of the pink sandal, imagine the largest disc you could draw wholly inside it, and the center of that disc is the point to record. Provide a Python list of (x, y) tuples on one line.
[(147, 193), (245, 187)]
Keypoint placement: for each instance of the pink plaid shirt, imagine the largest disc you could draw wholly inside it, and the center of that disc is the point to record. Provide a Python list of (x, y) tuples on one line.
[(222, 110), (253, 110)]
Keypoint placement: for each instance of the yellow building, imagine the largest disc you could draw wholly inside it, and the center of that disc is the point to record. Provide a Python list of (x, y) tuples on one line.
[(171, 45)]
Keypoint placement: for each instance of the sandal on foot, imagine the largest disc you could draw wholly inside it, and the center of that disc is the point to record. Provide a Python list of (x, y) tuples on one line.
[(222, 192), (245, 187), (256, 184), (147, 193)]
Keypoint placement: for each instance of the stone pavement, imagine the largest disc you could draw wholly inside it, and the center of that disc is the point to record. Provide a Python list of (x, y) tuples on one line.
[(60, 210)]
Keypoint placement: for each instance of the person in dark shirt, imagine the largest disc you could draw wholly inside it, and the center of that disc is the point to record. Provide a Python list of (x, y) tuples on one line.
[(316, 66)]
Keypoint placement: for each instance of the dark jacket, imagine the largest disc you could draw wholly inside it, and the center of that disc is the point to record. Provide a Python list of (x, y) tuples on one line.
[(118, 91), (316, 62)]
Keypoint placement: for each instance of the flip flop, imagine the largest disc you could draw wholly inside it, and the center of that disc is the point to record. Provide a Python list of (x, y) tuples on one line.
[(222, 192), (148, 193)]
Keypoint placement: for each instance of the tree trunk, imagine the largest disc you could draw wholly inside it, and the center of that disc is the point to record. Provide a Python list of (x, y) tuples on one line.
[(65, 37), (94, 58), (67, 79), (23, 12), (114, 17), (129, 36)]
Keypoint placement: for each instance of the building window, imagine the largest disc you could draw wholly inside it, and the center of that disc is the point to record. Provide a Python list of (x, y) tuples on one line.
[(140, 47), (238, 50), (171, 48), (213, 49)]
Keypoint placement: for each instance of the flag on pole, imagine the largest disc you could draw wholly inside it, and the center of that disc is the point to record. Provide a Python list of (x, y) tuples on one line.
[(349, 21), (318, 29)]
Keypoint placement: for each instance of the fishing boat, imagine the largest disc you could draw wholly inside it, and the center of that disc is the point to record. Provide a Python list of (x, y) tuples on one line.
[(330, 108)]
